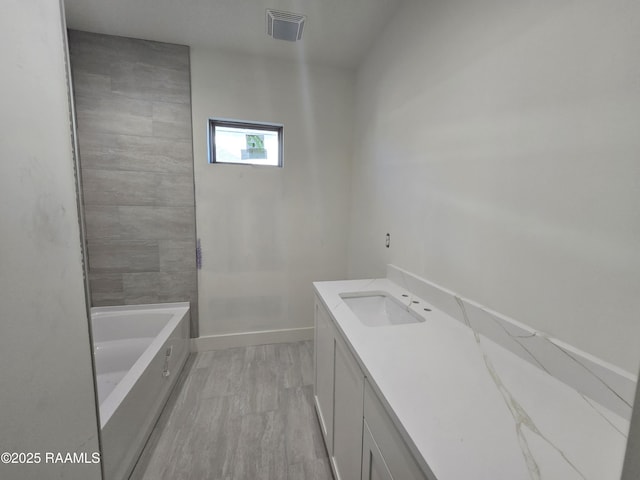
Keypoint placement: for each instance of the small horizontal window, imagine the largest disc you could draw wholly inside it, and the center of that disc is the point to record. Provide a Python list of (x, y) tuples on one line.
[(245, 143)]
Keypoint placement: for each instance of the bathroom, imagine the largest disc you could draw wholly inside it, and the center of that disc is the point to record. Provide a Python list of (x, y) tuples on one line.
[(494, 142)]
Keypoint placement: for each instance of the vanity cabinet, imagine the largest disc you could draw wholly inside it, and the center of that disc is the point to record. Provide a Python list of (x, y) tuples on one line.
[(347, 414), (324, 347), (385, 455), (339, 389), (373, 465), (361, 439)]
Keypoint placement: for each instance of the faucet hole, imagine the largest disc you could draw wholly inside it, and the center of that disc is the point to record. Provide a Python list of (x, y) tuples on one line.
[(405, 295), (415, 301), (427, 309)]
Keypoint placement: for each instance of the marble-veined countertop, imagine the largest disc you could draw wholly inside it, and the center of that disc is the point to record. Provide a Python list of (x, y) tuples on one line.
[(470, 408)]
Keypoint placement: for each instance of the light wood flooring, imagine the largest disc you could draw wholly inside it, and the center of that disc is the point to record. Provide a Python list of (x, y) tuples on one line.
[(240, 414)]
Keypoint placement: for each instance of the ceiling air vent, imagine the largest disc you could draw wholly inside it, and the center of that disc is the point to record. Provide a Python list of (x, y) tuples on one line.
[(285, 25)]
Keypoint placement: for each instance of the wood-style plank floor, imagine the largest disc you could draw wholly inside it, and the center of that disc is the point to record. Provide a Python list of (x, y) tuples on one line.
[(240, 414)]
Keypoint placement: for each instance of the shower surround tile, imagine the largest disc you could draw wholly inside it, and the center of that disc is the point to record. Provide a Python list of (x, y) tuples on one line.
[(175, 254), (133, 80), (88, 84), (102, 222), (134, 154), (97, 53), (133, 109), (119, 187), (154, 287), (172, 85), (171, 120), (140, 222), (114, 113), (106, 289), (150, 82), (123, 256)]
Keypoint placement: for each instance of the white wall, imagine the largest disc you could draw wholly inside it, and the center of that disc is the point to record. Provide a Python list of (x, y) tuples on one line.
[(267, 233), (498, 142), (46, 387)]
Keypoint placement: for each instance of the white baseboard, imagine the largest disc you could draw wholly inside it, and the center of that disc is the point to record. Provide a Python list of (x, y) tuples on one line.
[(245, 339)]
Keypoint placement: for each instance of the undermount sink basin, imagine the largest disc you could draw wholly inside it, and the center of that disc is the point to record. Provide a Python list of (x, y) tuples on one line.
[(376, 309)]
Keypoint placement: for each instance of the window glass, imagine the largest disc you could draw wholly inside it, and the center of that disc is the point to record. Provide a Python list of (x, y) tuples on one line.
[(245, 143)]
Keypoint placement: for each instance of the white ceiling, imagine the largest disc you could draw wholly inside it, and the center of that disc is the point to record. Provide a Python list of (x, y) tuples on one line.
[(337, 32)]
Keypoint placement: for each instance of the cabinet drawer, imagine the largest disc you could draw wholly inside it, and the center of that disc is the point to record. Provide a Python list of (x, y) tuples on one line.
[(397, 457)]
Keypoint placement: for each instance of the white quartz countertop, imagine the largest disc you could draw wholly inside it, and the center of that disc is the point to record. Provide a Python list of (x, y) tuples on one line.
[(469, 407)]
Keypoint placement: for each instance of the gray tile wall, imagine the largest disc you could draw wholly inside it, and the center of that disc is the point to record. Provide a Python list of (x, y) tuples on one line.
[(133, 106)]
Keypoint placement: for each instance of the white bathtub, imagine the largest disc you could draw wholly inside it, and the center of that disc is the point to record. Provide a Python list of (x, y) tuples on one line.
[(139, 352)]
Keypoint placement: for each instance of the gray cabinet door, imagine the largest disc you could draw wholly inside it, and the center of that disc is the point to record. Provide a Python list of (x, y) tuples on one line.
[(324, 368), (373, 464), (397, 456), (347, 414)]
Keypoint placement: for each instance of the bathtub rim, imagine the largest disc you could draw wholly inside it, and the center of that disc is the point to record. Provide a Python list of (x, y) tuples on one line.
[(142, 306), (114, 399)]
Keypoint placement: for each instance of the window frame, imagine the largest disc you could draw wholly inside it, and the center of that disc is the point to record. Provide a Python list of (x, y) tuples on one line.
[(226, 122)]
